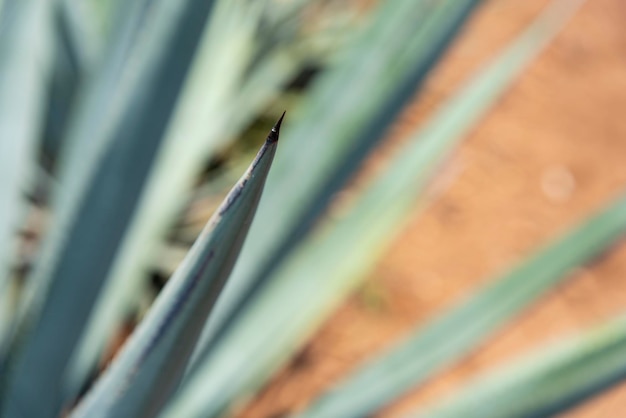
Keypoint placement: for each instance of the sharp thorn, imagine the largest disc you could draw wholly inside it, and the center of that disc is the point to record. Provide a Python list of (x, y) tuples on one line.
[(273, 136)]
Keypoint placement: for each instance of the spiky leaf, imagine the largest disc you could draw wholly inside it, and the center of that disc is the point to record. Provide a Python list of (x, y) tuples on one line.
[(150, 365), (546, 382)]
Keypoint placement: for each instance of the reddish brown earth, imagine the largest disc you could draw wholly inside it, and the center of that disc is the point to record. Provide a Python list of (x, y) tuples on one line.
[(552, 151)]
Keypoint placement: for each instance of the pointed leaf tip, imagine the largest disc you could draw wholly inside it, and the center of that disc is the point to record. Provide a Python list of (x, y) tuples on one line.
[(273, 136)]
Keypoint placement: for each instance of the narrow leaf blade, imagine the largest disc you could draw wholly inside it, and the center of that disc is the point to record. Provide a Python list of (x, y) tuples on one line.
[(188, 143), (546, 382), (148, 368), (25, 65), (461, 329), (120, 134), (465, 326)]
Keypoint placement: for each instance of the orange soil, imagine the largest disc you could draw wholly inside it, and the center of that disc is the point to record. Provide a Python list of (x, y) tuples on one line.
[(550, 153)]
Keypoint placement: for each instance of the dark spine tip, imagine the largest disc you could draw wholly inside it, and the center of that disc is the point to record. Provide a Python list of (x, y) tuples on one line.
[(273, 136)]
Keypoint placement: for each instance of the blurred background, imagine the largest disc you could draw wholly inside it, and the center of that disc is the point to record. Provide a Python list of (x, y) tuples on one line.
[(547, 155)]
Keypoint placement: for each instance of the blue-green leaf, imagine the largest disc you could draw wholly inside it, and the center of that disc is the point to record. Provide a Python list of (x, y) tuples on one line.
[(465, 326), (77, 47), (25, 67), (113, 141), (152, 362), (544, 383)]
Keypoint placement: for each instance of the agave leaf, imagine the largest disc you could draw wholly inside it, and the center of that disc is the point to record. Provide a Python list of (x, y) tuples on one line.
[(322, 271), (347, 113), (98, 194), (124, 56), (207, 95), (25, 65), (283, 22), (78, 45), (106, 90), (150, 365), (546, 382), (465, 326), (189, 141), (82, 40)]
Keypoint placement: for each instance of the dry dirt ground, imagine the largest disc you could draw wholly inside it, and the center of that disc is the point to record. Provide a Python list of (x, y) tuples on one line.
[(552, 151)]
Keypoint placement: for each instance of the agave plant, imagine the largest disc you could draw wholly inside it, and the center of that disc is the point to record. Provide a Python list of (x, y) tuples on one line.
[(108, 116)]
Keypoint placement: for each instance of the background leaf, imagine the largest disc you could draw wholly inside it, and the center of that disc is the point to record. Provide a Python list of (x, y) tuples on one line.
[(463, 327), (97, 202), (78, 45), (321, 272), (546, 382), (25, 66)]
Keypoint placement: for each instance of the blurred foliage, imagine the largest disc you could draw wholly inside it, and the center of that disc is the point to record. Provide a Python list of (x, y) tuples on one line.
[(122, 126)]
